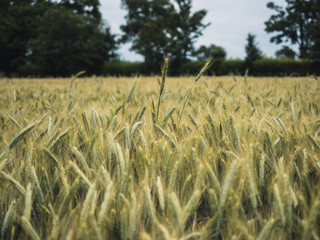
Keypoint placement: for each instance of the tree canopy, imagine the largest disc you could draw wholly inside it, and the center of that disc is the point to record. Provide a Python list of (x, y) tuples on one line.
[(89, 8), (68, 43), (286, 53), (53, 38), (204, 52), (298, 23), (253, 53), (160, 27)]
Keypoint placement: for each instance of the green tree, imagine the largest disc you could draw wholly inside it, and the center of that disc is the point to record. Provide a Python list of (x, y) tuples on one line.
[(204, 52), (253, 53), (145, 27), (184, 28), (315, 49), (69, 42), (157, 28), (285, 52), (83, 7), (41, 37), (294, 23), (19, 23), (315, 31)]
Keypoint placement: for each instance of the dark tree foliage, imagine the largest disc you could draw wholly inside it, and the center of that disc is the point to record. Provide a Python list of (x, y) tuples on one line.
[(49, 38), (83, 7), (18, 25), (253, 53), (204, 52), (286, 53), (315, 48), (68, 43), (297, 23), (157, 28), (315, 31), (184, 28), (145, 24)]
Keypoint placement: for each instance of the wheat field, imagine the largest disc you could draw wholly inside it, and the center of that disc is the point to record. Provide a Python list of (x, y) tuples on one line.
[(160, 158)]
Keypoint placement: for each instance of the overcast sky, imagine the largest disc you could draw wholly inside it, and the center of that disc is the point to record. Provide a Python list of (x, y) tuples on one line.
[(231, 21)]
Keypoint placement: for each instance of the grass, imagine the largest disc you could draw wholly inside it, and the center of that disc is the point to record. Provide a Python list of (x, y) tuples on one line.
[(96, 158)]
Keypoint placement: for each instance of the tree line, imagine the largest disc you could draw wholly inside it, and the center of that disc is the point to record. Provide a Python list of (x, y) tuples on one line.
[(49, 38), (61, 38)]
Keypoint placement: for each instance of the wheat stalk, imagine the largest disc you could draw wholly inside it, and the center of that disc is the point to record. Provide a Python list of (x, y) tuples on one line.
[(160, 194), (279, 205), (227, 182), (149, 205), (21, 134), (191, 205), (164, 71), (266, 231), (65, 203), (312, 220), (8, 219), (29, 229), (87, 203), (14, 183), (35, 180), (205, 68), (166, 136)]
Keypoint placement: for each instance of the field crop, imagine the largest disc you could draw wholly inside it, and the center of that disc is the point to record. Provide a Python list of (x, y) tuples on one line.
[(109, 158)]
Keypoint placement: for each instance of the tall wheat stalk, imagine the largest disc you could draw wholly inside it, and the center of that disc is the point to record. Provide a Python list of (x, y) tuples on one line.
[(164, 72), (203, 70)]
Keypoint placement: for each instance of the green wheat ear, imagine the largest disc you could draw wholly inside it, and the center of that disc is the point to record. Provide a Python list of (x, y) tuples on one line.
[(131, 91), (266, 231), (8, 219), (203, 70), (227, 182), (21, 134), (13, 182), (74, 78), (29, 229), (164, 72)]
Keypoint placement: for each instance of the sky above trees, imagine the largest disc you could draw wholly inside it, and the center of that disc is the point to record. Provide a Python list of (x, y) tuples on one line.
[(231, 21)]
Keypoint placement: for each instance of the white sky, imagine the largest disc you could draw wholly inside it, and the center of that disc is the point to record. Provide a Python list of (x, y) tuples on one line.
[(231, 21)]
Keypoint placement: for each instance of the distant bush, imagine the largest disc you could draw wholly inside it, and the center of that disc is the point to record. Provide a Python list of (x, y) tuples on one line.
[(220, 67), (263, 67), (285, 67), (231, 66), (28, 70), (124, 68), (191, 68)]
